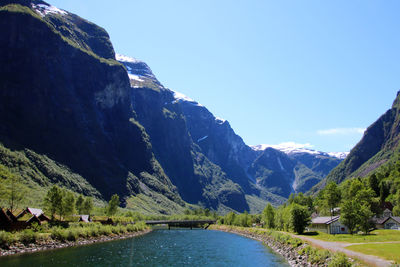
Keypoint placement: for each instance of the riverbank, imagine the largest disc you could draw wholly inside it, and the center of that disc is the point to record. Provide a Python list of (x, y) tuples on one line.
[(294, 250), (50, 244)]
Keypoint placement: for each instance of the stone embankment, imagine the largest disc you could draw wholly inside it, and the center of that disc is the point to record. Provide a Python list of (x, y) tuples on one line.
[(290, 253), (20, 248)]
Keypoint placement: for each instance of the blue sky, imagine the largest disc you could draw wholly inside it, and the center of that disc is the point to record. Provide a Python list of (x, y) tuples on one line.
[(310, 72)]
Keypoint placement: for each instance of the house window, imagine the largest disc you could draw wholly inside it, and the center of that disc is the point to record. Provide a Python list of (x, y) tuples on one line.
[(342, 229)]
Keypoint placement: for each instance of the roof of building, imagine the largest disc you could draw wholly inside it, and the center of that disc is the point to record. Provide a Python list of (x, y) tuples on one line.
[(84, 218), (384, 219), (324, 220), (397, 219), (4, 217), (36, 212)]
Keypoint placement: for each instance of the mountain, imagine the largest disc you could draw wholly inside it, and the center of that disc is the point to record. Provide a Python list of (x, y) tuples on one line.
[(76, 114), (378, 146), (182, 130), (302, 167), (64, 97)]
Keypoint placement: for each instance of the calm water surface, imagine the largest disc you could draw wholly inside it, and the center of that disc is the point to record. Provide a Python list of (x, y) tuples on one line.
[(159, 248)]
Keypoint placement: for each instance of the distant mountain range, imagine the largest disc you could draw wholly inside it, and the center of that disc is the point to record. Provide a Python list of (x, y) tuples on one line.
[(74, 113)]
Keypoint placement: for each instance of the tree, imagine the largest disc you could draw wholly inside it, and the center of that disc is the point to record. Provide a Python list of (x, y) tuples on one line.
[(68, 203), (384, 190), (12, 190), (396, 210), (269, 216), (87, 206), (374, 184), (113, 205), (364, 214), (79, 204), (299, 218), (230, 218), (349, 214), (53, 201), (332, 196)]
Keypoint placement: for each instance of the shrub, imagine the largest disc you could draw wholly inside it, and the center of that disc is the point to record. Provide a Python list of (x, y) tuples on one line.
[(6, 239), (59, 234), (27, 236), (72, 234), (339, 260)]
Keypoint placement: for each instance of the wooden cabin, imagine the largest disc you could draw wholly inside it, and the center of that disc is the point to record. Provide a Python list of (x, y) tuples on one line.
[(5, 220), (37, 215)]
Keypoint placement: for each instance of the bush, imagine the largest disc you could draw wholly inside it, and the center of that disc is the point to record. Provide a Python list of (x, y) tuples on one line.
[(6, 239), (59, 234), (72, 234), (28, 236), (339, 260)]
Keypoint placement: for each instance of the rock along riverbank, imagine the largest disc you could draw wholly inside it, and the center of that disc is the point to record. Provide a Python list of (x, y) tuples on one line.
[(291, 254), (20, 248)]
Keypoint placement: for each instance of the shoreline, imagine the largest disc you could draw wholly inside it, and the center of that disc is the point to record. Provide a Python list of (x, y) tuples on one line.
[(20, 249), (293, 258), (292, 254)]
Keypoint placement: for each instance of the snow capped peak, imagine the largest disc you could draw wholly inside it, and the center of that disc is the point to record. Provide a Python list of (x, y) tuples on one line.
[(339, 155), (127, 59), (291, 148), (45, 9), (219, 120), (181, 97)]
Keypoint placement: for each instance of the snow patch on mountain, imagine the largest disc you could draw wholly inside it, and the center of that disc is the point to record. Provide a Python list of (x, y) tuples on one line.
[(219, 120), (291, 148), (123, 58), (201, 139), (135, 77), (181, 97), (280, 164), (45, 9)]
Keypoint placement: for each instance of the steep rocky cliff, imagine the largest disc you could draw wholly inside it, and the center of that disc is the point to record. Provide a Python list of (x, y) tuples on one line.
[(181, 130), (63, 95), (378, 146), (72, 114)]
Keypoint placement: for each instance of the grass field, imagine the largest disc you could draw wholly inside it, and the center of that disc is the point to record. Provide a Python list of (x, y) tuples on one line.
[(374, 236), (388, 251)]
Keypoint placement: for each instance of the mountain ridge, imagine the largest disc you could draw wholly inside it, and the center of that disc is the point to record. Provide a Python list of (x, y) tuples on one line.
[(112, 127)]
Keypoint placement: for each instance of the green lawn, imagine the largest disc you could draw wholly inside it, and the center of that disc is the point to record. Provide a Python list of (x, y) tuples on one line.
[(374, 236), (388, 251)]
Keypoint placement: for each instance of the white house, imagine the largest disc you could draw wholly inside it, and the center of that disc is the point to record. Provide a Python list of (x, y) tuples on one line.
[(329, 225)]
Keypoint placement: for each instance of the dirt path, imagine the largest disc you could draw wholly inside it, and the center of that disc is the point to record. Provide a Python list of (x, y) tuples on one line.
[(341, 246)]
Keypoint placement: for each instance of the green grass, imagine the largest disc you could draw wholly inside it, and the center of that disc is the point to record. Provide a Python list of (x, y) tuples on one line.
[(388, 251), (374, 236)]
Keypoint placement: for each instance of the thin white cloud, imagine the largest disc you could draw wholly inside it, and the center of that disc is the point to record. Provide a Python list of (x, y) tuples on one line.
[(341, 131)]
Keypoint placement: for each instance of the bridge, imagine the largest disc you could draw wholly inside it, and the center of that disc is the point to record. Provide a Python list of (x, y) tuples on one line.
[(186, 223)]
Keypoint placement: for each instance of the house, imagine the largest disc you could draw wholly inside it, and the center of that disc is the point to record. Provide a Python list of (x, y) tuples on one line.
[(85, 218), (388, 223), (5, 220), (387, 220), (329, 225), (37, 215)]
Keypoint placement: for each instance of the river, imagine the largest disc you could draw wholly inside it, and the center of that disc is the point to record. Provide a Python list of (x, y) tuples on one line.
[(175, 247)]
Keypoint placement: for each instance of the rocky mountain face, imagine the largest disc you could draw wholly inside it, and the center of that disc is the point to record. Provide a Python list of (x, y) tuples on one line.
[(72, 114), (63, 95), (379, 145), (181, 130)]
